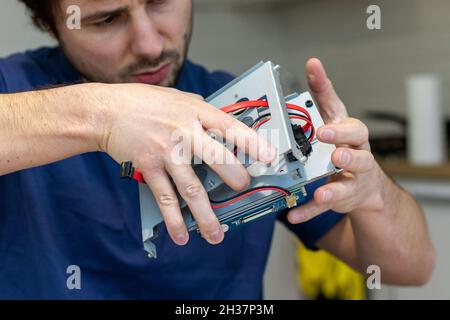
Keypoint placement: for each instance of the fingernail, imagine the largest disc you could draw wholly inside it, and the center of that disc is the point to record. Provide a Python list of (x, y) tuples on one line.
[(242, 182), (327, 134), (345, 158), (181, 238), (327, 195), (268, 154), (216, 236)]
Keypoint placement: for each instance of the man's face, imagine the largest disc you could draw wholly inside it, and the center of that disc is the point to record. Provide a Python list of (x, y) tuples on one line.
[(127, 40)]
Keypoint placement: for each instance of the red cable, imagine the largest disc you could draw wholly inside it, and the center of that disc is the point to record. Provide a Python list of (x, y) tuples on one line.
[(222, 205), (263, 104), (305, 127), (254, 104), (298, 108), (259, 124), (244, 105), (138, 176)]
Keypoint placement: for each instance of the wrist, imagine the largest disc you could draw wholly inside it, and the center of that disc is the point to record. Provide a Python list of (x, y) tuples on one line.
[(96, 109), (382, 193)]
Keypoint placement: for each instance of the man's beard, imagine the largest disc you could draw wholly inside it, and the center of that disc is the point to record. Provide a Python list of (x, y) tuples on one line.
[(125, 75), (172, 56)]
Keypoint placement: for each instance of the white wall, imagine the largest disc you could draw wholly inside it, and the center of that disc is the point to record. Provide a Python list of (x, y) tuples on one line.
[(367, 67), (17, 32), (236, 39)]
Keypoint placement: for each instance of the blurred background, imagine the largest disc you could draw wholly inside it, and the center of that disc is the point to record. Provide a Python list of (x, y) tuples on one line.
[(388, 78)]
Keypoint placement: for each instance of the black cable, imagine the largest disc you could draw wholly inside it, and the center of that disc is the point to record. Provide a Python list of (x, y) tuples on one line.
[(247, 191)]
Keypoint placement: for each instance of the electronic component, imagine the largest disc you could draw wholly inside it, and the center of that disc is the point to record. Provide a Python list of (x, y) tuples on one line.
[(291, 200), (256, 98)]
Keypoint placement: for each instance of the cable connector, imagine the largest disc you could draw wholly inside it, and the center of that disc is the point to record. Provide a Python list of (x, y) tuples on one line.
[(291, 200), (127, 171)]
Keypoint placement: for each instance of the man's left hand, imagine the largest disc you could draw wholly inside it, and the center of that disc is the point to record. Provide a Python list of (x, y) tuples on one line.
[(360, 185)]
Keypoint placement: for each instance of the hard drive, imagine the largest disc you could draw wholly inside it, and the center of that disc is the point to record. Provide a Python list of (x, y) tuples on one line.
[(289, 123)]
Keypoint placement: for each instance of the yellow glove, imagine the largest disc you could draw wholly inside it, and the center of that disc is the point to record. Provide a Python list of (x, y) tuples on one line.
[(320, 273)]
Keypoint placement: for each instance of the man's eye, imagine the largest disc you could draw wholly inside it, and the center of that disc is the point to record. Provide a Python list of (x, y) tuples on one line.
[(156, 2), (107, 21)]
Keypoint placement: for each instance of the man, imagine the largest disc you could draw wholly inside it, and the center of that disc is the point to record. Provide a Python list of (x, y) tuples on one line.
[(62, 203)]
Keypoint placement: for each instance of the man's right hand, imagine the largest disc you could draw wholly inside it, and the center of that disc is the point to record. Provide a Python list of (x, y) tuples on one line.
[(138, 123)]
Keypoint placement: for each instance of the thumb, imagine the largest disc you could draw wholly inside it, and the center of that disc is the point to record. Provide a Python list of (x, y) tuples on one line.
[(330, 106)]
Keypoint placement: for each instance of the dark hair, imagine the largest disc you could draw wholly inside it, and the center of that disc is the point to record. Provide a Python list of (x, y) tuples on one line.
[(42, 13)]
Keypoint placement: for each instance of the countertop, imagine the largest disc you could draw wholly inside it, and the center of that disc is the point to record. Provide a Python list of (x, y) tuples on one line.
[(402, 168)]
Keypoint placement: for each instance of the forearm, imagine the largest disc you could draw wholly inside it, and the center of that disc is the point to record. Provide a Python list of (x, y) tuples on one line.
[(41, 127), (394, 236)]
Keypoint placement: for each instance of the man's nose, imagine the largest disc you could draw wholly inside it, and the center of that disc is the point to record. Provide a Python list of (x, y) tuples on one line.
[(146, 40)]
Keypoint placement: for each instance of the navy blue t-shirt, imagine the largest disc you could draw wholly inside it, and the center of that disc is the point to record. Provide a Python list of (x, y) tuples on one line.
[(79, 212)]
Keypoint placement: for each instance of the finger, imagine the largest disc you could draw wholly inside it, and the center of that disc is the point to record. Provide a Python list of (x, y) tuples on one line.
[(330, 106), (238, 133), (192, 191), (222, 161), (354, 161), (166, 198), (334, 192), (353, 132), (306, 212)]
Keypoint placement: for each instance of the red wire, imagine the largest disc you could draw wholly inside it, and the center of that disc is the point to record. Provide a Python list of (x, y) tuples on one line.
[(244, 105), (222, 205), (305, 127), (254, 104), (138, 176), (298, 108), (263, 104), (259, 124)]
